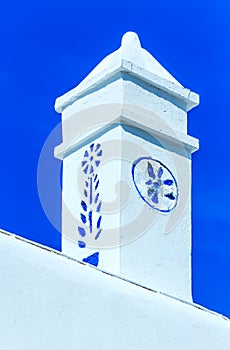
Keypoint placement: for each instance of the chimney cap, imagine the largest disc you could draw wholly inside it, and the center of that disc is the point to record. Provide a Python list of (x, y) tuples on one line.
[(133, 59)]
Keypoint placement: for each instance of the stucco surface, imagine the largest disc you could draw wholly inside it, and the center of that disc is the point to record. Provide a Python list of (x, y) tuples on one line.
[(48, 301)]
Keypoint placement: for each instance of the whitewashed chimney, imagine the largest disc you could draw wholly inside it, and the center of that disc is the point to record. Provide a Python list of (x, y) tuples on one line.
[(126, 197)]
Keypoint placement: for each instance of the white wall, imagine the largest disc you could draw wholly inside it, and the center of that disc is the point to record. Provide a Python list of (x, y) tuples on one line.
[(158, 249), (144, 245), (50, 302)]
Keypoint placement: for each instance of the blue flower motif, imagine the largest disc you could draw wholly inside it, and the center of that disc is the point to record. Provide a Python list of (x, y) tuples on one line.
[(155, 184), (91, 159), (91, 204)]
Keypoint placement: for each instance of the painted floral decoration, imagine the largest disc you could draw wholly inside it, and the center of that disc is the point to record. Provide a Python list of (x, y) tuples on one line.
[(155, 183), (91, 203)]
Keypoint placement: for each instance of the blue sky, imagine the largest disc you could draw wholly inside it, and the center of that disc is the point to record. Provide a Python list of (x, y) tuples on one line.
[(48, 47)]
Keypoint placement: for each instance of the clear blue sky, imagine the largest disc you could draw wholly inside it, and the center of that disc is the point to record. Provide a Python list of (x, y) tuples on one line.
[(48, 47)]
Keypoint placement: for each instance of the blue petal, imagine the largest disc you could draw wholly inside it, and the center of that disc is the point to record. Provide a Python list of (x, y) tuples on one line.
[(86, 154), (96, 198), (97, 162), (99, 222), (91, 147), (91, 170), (84, 206), (83, 218), (170, 196), (151, 171), (99, 153), (160, 172), (81, 231), (97, 147), (168, 182), (96, 186), (149, 182), (86, 169), (155, 197), (98, 208), (81, 244), (150, 191)]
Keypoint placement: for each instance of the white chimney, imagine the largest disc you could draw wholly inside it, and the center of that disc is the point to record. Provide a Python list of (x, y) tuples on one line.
[(126, 200)]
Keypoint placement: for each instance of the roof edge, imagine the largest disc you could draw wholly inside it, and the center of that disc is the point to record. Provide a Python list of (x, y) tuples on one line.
[(40, 246)]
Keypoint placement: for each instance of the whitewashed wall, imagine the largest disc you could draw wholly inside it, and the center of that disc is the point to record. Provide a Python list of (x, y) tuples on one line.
[(137, 242), (50, 302)]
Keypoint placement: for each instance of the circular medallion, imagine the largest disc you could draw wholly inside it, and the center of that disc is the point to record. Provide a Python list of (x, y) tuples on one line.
[(155, 184)]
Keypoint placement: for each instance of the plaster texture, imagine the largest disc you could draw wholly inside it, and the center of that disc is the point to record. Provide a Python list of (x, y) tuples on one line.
[(49, 301)]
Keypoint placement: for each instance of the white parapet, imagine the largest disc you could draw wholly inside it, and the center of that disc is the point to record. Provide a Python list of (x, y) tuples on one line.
[(49, 301)]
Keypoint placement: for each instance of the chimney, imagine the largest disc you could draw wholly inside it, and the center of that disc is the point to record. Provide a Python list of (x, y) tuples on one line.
[(126, 198)]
